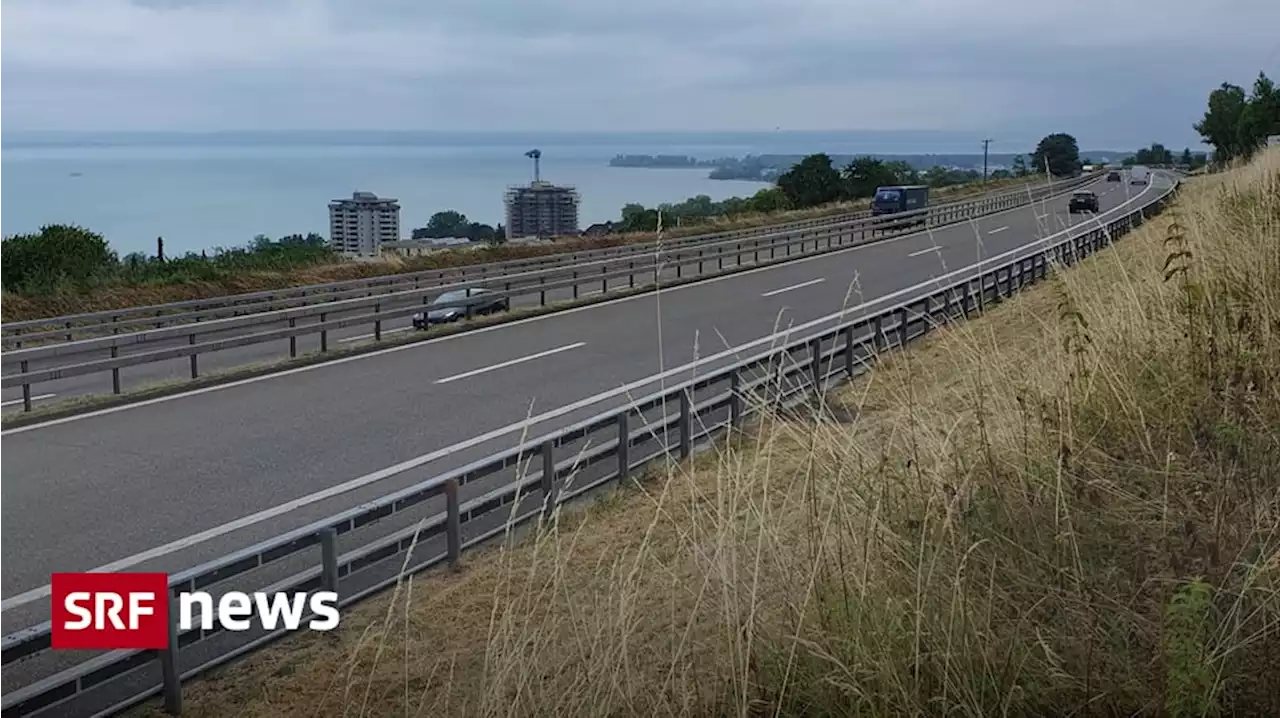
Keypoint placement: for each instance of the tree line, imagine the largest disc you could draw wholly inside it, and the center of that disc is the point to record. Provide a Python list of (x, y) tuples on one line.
[(811, 182), (1236, 124), (61, 257), (451, 223)]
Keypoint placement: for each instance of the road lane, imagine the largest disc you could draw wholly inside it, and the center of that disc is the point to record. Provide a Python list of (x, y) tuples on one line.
[(132, 480)]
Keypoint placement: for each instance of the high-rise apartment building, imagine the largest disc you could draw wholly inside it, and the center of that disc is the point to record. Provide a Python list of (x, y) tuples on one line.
[(358, 226), (541, 209)]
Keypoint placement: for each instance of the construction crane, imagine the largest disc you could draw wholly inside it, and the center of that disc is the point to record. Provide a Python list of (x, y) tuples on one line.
[(536, 156)]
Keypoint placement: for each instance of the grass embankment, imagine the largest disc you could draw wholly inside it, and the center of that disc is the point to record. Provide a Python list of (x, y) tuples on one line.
[(216, 282), (1070, 506)]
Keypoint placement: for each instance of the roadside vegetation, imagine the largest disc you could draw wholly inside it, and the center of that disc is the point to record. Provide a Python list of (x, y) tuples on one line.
[(66, 269), (1068, 506)]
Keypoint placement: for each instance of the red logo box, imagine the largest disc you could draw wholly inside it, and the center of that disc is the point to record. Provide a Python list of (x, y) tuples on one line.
[(108, 611)]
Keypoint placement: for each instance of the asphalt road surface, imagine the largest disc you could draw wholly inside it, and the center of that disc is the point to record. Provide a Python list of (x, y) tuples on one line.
[(170, 482)]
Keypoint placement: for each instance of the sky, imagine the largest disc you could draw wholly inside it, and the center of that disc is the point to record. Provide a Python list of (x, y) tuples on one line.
[(1111, 72)]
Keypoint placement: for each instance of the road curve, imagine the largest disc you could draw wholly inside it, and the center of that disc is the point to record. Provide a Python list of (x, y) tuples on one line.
[(167, 483)]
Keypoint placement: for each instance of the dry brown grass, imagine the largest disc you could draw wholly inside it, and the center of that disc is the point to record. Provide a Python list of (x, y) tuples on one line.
[(1070, 506), (21, 308)]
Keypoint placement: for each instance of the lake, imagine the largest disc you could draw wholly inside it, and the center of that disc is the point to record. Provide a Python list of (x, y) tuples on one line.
[(201, 191)]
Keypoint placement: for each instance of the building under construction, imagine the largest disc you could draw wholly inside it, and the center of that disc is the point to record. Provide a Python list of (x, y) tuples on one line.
[(541, 209)]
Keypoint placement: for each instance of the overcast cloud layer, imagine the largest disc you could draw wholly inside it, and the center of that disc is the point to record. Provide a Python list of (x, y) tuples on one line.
[(1110, 71)]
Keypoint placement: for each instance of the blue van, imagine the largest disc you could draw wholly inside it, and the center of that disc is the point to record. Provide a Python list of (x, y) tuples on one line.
[(899, 198)]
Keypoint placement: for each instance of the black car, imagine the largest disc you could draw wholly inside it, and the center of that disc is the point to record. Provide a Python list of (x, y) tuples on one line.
[(1083, 201), (478, 301), (1113, 176)]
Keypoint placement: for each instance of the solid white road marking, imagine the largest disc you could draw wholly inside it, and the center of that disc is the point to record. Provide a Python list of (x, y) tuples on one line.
[(801, 285), (510, 362), (926, 250), (385, 332), (37, 397), (522, 426), (997, 230), (480, 330)]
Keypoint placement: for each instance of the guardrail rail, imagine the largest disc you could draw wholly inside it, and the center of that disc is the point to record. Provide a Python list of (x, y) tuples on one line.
[(525, 484)]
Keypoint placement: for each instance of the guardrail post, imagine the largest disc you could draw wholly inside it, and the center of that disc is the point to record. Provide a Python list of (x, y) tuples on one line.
[(324, 335), (542, 293), (878, 338), (575, 284), (815, 363), (699, 262), (686, 423), (604, 280), (329, 559), (631, 274), (735, 399), (624, 444), (68, 331), (679, 267), (549, 493), (902, 327), (453, 522), (293, 340), (26, 389), (115, 372), (377, 323), (195, 370), (171, 679)]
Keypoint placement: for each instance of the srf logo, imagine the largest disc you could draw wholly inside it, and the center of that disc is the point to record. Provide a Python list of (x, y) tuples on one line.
[(105, 611)]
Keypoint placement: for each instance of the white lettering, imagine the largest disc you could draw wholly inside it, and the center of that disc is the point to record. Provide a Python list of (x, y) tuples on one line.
[(140, 605), (280, 604), (72, 604), (233, 608), (205, 601), (109, 606), (324, 603), (236, 610)]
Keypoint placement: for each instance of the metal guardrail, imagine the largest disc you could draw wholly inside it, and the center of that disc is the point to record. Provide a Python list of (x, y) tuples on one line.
[(373, 311), (569, 462), (113, 321)]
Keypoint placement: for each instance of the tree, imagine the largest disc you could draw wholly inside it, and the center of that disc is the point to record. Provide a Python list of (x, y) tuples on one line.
[(448, 223), (1261, 116), (1187, 160), (1019, 166), (811, 182), (769, 200), (58, 253), (864, 174), (1001, 174), (1222, 124), (1059, 152)]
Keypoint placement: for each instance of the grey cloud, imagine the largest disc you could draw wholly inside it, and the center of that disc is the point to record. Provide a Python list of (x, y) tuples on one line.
[(1112, 69)]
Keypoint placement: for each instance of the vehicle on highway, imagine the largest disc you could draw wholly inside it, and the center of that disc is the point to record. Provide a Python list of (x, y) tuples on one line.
[(1083, 201), (1113, 176), (899, 198), (475, 301), (1139, 174)]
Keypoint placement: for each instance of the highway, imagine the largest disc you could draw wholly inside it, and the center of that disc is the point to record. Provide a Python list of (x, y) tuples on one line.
[(177, 370), (169, 482)]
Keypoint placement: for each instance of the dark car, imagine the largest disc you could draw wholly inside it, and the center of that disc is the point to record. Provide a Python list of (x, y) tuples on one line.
[(1083, 201), (478, 301), (1113, 176)]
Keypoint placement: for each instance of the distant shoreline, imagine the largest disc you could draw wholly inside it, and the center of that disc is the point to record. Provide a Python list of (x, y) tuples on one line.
[(767, 167)]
